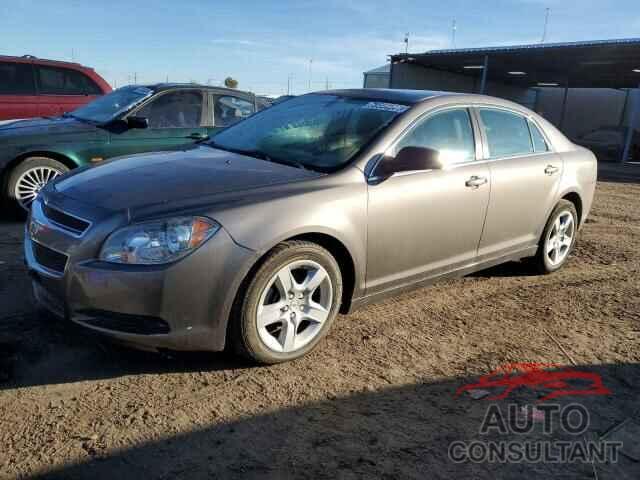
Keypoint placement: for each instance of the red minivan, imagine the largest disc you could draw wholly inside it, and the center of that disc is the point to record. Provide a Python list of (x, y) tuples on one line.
[(31, 87)]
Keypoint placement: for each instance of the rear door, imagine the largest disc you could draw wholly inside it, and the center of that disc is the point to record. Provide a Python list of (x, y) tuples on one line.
[(176, 120), (525, 175), (18, 97)]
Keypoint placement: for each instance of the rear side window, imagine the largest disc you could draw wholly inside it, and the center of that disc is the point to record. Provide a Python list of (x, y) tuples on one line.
[(16, 79), (539, 143), (450, 133), (62, 81), (228, 110), (176, 109), (507, 133)]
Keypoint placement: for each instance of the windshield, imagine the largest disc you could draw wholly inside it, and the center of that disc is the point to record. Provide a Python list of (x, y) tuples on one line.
[(319, 132), (108, 107)]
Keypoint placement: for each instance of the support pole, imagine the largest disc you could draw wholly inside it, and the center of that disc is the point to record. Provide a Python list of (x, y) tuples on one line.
[(632, 127), (483, 82), (565, 103)]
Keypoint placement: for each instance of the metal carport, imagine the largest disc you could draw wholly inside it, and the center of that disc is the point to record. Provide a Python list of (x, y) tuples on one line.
[(594, 64)]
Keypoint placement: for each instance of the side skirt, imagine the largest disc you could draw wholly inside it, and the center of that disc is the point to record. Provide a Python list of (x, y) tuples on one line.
[(357, 303)]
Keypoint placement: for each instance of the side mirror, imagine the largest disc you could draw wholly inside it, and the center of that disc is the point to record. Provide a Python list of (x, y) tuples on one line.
[(137, 122), (409, 159)]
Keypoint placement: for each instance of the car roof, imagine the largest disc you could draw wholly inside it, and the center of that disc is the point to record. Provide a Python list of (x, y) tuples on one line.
[(407, 97), (42, 61), (160, 87)]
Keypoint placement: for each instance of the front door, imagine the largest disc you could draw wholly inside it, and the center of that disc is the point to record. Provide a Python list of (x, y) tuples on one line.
[(175, 122), (525, 176), (428, 222)]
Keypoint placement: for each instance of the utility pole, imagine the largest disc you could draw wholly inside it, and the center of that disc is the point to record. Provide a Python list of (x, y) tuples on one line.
[(289, 77), (135, 78), (454, 27), (546, 24), (310, 72), (406, 43), (326, 85), (73, 55)]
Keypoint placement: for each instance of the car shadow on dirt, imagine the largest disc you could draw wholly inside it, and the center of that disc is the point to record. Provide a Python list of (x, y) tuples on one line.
[(400, 432)]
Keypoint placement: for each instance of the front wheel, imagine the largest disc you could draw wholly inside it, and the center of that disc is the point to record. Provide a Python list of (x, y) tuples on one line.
[(558, 238), (289, 305), (28, 178)]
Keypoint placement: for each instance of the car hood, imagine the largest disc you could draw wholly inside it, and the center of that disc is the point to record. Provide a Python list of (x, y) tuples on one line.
[(163, 178), (43, 126)]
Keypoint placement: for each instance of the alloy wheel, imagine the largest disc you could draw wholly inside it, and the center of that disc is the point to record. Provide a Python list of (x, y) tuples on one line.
[(294, 305), (31, 182), (560, 238)]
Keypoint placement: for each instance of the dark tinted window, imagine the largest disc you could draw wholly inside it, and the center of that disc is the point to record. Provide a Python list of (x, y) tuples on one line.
[(507, 133), (228, 110), (16, 79), (179, 109), (62, 81), (448, 132)]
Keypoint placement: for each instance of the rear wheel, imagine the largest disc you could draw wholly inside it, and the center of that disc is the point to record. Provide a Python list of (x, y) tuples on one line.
[(558, 238), (289, 304), (28, 178)]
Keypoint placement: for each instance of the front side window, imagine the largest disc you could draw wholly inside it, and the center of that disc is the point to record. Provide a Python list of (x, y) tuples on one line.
[(16, 79), (539, 143), (108, 107), (63, 81), (176, 109), (317, 131), (228, 110), (450, 133), (507, 133)]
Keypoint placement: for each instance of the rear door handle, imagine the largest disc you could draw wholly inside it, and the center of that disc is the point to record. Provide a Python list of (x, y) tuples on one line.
[(550, 170), (475, 181)]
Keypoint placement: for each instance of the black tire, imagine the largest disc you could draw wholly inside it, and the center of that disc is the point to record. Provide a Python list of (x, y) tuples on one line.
[(19, 170), (243, 329), (541, 261)]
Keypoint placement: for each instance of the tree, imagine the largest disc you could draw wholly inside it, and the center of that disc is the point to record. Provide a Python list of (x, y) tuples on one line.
[(230, 82)]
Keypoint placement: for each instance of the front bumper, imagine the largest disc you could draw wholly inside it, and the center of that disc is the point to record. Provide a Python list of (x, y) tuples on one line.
[(180, 306)]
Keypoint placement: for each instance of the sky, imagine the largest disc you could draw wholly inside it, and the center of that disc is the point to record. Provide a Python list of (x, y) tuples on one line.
[(272, 47)]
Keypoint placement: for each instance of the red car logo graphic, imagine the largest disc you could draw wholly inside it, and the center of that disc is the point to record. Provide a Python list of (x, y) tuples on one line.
[(562, 381)]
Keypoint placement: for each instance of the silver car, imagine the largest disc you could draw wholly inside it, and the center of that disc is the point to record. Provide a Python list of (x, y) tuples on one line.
[(259, 237)]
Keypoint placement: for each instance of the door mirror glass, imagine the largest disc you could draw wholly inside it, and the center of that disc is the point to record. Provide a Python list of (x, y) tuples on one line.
[(137, 122), (410, 159)]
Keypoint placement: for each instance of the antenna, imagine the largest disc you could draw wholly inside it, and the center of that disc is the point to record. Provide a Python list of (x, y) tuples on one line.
[(454, 27), (546, 24)]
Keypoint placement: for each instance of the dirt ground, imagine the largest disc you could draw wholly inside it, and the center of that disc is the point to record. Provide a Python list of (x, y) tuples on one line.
[(376, 399)]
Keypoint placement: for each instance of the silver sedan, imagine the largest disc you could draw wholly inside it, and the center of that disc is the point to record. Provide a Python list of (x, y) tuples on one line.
[(260, 236)]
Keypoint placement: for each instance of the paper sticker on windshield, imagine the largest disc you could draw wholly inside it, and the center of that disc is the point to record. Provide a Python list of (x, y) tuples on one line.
[(386, 107)]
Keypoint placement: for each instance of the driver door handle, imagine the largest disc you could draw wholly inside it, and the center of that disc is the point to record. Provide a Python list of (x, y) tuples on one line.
[(475, 181), (550, 170), (196, 136)]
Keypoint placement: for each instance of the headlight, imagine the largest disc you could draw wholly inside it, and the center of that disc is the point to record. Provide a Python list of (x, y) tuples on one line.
[(161, 241)]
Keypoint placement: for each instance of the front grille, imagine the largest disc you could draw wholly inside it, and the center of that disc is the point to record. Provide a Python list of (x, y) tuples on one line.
[(48, 258), (66, 221), (123, 322)]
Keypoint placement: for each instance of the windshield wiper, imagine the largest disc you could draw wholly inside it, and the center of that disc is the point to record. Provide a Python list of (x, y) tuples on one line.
[(259, 154)]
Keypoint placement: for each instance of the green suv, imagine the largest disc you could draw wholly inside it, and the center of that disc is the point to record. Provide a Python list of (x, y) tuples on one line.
[(133, 119)]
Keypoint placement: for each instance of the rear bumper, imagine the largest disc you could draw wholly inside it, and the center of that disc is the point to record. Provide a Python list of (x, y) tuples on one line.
[(180, 306)]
